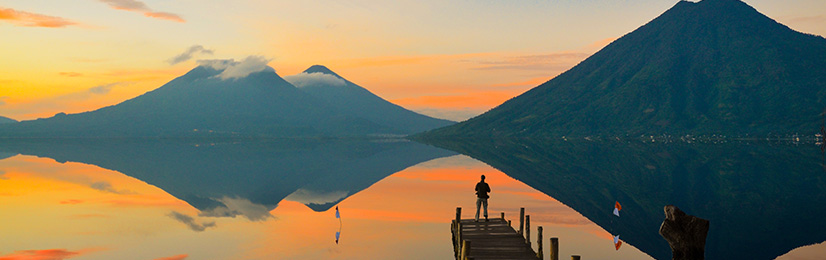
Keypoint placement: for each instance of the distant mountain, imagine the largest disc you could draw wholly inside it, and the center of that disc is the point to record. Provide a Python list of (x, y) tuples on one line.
[(204, 102), (346, 96), (5, 120), (716, 66)]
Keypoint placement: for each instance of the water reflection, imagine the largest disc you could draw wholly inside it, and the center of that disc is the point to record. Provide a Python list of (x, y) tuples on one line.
[(170, 200), (762, 200), (243, 178)]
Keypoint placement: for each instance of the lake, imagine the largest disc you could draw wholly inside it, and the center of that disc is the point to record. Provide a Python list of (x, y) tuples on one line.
[(277, 199)]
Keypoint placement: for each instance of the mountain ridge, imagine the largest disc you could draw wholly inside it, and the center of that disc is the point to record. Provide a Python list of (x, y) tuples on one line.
[(711, 67), (356, 100)]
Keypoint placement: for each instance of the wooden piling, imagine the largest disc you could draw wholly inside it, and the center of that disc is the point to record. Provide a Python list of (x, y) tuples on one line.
[(521, 221), (575, 257), (503, 215), (465, 249), (554, 248), (539, 253), (509, 223), (528, 230), (458, 214)]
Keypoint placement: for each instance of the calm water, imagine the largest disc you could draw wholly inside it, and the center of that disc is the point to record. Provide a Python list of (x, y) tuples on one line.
[(195, 199)]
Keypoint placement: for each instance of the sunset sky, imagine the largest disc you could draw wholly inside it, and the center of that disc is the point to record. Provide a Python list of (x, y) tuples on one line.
[(449, 59)]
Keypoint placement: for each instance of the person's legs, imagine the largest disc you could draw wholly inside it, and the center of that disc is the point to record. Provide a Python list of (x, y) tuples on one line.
[(479, 204), (485, 204)]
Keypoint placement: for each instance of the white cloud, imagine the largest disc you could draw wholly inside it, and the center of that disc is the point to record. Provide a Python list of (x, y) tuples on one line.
[(309, 79), (233, 69)]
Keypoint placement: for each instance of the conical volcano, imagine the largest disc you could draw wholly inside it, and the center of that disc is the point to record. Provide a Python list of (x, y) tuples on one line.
[(354, 100), (711, 67), (210, 100)]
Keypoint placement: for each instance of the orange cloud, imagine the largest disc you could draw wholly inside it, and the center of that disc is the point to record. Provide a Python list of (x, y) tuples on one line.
[(71, 202), (140, 7), (177, 257), (47, 254), (27, 19)]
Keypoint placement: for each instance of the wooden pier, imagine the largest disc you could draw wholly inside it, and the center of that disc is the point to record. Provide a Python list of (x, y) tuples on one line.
[(496, 239)]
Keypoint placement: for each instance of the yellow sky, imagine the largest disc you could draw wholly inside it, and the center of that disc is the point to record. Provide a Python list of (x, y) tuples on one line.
[(450, 59)]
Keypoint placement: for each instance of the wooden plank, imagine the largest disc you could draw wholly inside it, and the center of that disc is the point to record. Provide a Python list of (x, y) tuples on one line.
[(493, 239)]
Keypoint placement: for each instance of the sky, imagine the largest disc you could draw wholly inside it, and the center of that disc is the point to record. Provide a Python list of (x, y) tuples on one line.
[(448, 59)]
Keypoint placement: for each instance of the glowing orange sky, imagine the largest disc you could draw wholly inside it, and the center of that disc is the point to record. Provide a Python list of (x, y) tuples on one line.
[(448, 59)]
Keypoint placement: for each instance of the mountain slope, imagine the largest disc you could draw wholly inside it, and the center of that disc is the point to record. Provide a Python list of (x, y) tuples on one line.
[(346, 96), (716, 66), (202, 103), (5, 120)]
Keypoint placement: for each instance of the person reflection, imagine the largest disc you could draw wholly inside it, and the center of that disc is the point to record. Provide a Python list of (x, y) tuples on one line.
[(482, 189), (338, 233)]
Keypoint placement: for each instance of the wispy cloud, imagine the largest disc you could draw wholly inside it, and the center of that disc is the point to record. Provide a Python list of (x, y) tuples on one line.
[(190, 222), (188, 54), (543, 62), (46, 254), (104, 89), (177, 257), (107, 187), (21, 18), (809, 19), (140, 7)]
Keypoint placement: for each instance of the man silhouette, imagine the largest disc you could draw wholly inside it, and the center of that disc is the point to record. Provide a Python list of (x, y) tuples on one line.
[(482, 189)]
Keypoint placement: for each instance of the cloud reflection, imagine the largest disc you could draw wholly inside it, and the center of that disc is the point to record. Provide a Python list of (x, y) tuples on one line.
[(190, 221)]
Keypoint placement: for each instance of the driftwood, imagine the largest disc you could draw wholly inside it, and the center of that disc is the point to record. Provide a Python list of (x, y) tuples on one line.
[(685, 233)]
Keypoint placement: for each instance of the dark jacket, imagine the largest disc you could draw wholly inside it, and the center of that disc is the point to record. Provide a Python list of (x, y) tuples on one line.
[(482, 189)]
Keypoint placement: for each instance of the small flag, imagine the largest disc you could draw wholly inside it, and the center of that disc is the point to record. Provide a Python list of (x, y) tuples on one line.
[(617, 242), (339, 215), (617, 208)]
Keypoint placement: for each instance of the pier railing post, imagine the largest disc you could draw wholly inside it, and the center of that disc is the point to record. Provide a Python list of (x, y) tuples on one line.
[(521, 221), (503, 215), (554, 248), (528, 230), (539, 253), (458, 214), (465, 249), (459, 236)]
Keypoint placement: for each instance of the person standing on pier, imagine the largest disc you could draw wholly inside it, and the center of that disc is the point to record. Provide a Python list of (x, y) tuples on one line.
[(482, 189)]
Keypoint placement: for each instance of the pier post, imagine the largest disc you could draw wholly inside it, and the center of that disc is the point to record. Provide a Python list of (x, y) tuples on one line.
[(458, 214), (554, 248), (509, 223), (521, 221), (465, 249), (459, 236), (574, 257), (539, 248), (503, 215), (528, 230)]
